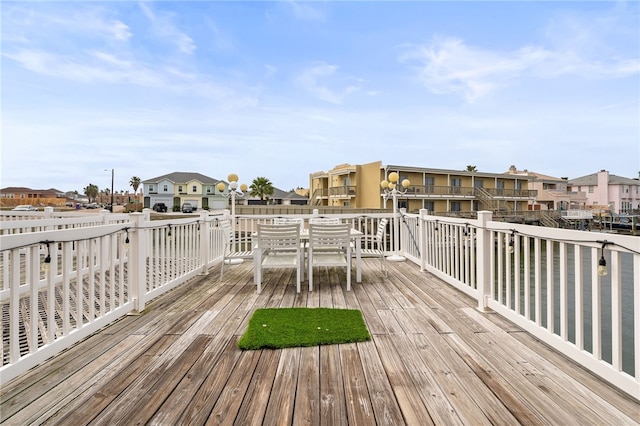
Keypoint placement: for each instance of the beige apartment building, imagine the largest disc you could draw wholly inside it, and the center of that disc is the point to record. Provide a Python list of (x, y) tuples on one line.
[(438, 190), (552, 193)]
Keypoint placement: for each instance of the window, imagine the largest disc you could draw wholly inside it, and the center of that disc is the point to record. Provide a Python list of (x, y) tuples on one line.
[(150, 188), (590, 189), (429, 205), (456, 183), (429, 181), (478, 183), (166, 188), (208, 190), (455, 206), (179, 188), (194, 189)]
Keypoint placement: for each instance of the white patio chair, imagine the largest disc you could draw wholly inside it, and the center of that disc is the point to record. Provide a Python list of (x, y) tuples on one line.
[(230, 254), (287, 220), (278, 247), (374, 247), (329, 245), (325, 220)]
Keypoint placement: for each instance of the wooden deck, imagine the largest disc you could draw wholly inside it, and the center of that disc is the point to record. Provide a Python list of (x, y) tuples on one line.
[(433, 359)]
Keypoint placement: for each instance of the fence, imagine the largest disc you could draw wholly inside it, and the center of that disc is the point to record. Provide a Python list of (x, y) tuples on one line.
[(577, 291), (63, 278), (547, 281)]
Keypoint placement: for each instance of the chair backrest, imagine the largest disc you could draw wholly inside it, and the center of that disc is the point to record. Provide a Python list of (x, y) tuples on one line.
[(277, 237), (325, 220), (287, 220), (229, 233), (382, 228), (324, 236)]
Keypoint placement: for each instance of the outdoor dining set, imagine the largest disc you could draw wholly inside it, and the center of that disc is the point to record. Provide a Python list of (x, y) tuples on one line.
[(285, 243)]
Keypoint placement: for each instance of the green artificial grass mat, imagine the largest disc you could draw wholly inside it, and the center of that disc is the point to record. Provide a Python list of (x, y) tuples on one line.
[(275, 328)]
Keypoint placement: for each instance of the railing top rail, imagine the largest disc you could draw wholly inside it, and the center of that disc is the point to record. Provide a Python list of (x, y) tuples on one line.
[(12, 241), (587, 238), (45, 222)]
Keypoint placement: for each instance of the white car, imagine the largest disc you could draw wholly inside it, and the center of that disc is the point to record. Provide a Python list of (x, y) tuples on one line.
[(25, 208)]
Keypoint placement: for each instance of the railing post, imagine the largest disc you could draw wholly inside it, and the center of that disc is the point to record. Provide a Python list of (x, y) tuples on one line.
[(138, 261), (205, 242), (48, 212), (483, 253), (422, 238)]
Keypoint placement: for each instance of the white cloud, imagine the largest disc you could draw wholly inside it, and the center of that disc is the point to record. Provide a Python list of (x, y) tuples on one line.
[(306, 12), (163, 26), (317, 78), (448, 65)]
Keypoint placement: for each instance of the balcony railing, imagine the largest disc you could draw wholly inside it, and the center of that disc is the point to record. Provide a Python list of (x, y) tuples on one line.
[(434, 191), (544, 280), (342, 192)]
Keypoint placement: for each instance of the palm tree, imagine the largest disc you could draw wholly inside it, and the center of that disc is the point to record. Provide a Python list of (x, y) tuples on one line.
[(261, 187), (135, 183), (91, 191), (471, 169)]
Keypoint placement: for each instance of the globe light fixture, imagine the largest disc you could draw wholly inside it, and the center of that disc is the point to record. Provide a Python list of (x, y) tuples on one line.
[(234, 189), (391, 189)]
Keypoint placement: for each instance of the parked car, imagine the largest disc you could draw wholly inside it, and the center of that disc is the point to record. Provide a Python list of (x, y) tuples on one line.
[(187, 208), (25, 208), (92, 205), (160, 207)]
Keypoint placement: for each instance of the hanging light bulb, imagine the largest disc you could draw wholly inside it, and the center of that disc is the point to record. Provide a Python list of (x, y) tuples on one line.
[(602, 266), (466, 233), (46, 265), (169, 236), (512, 242), (602, 263), (435, 228), (126, 240)]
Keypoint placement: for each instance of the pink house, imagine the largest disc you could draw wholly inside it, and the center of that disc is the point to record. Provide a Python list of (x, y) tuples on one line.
[(620, 194)]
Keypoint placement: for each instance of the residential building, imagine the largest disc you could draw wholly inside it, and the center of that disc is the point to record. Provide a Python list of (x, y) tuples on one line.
[(279, 197), (438, 190), (175, 189), (552, 193), (618, 194), (12, 196)]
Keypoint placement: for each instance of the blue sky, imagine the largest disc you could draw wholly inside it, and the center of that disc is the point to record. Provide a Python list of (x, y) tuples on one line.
[(285, 89)]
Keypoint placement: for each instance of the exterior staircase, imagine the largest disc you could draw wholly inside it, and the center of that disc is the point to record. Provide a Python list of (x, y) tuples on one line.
[(489, 202)]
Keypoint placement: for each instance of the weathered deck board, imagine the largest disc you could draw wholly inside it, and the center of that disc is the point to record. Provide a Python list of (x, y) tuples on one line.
[(433, 359)]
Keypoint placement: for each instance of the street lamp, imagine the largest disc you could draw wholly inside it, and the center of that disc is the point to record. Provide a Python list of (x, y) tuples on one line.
[(233, 190), (112, 171), (391, 189)]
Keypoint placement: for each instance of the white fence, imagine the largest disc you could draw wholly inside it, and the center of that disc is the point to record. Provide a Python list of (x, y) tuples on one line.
[(544, 280), (62, 279)]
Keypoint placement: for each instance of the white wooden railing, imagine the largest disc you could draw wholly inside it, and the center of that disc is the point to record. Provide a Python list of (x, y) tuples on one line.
[(93, 278), (62, 279), (544, 280)]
